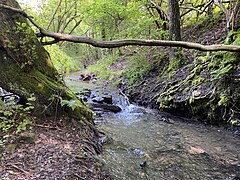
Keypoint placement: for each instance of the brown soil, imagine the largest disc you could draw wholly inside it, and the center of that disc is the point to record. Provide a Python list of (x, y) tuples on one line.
[(61, 151)]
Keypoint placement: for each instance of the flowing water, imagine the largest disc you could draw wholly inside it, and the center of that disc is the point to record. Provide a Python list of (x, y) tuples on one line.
[(147, 144)]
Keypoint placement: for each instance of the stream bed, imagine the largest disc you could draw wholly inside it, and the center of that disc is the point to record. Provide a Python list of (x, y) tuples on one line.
[(148, 144)]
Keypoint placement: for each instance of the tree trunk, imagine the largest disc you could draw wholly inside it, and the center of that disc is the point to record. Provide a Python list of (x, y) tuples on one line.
[(174, 30), (26, 68), (174, 20)]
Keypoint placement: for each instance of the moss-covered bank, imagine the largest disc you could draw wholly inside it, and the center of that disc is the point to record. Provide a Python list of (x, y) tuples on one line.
[(206, 87)]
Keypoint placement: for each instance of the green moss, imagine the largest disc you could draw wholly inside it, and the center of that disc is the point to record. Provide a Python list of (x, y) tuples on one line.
[(202, 59), (224, 100), (233, 38), (197, 80), (215, 61), (171, 74), (197, 70), (138, 69), (166, 102), (176, 62)]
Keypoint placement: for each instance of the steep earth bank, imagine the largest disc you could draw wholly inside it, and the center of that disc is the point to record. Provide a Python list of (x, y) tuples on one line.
[(196, 84)]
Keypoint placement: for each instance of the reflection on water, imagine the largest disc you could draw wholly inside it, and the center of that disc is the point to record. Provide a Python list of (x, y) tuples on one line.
[(146, 146)]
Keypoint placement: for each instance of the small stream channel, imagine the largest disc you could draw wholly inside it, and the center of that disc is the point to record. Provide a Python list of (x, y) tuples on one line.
[(147, 144)]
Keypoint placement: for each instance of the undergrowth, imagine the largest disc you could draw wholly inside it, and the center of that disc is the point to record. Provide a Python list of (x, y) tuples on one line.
[(103, 67), (62, 61), (15, 118)]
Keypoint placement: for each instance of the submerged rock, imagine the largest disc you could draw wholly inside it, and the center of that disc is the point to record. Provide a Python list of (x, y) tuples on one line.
[(102, 98), (98, 99), (143, 164), (106, 107), (138, 151), (103, 139)]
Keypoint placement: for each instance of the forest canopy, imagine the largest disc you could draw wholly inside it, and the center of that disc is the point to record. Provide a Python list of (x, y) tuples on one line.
[(110, 20)]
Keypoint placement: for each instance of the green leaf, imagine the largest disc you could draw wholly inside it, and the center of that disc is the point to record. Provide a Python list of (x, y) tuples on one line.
[(72, 104), (8, 113)]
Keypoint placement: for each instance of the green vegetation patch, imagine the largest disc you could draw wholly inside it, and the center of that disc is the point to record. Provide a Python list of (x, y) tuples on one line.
[(62, 61)]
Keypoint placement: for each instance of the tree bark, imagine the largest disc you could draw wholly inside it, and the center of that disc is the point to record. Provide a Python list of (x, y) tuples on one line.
[(26, 68), (174, 31), (136, 42), (174, 20)]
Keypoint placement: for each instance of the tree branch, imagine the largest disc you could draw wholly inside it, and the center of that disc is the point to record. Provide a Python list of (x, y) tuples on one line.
[(24, 14), (54, 14), (138, 42), (126, 42)]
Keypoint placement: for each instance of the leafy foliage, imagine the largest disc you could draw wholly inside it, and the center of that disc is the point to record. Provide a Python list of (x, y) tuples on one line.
[(70, 103), (138, 68), (62, 61), (102, 66), (15, 117)]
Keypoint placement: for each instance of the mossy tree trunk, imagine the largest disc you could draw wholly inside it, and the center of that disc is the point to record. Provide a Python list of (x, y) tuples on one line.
[(26, 67)]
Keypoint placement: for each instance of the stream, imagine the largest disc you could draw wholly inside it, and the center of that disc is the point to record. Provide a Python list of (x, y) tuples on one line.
[(148, 144)]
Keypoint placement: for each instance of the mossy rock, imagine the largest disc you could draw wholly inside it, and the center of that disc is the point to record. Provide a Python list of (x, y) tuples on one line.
[(11, 148), (26, 137)]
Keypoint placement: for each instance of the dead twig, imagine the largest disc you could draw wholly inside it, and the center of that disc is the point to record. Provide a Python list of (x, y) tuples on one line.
[(79, 176), (49, 127), (18, 168)]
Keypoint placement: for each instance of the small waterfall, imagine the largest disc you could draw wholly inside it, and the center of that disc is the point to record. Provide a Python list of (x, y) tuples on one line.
[(124, 101)]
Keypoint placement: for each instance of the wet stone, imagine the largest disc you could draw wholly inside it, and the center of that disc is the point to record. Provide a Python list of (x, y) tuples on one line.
[(102, 98), (138, 151), (98, 99), (143, 164), (105, 107), (82, 97), (103, 139), (84, 92)]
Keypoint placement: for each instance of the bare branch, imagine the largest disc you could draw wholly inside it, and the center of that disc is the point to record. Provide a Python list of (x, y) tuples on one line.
[(201, 10), (65, 14), (137, 42), (54, 14), (161, 12), (75, 26)]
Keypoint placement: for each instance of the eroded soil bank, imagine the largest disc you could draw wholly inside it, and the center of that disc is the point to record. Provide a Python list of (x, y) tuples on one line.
[(203, 86)]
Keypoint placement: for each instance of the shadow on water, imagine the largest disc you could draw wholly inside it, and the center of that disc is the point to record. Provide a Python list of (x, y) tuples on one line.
[(151, 145)]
